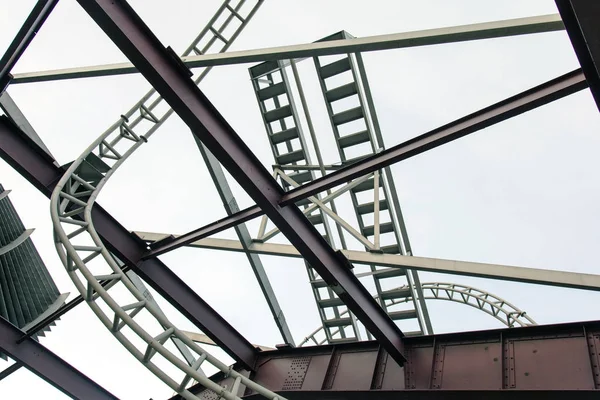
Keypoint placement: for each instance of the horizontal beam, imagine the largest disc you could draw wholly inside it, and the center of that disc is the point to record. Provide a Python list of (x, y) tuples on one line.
[(172, 81), (48, 366), (29, 29), (486, 30), (535, 362), (573, 280), (34, 164), (525, 101)]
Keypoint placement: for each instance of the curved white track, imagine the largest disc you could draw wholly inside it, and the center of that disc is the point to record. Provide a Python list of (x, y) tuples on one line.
[(94, 270), (493, 305)]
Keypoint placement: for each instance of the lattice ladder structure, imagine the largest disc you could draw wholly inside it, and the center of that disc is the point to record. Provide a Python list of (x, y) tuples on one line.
[(356, 138), (133, 320), (280, 117)]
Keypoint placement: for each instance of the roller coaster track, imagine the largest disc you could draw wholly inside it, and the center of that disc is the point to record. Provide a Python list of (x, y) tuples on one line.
[(493, 305), (134, 321)]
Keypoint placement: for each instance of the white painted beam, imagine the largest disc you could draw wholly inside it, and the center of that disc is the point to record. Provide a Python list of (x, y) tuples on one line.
[(492, 271), (485, 30)]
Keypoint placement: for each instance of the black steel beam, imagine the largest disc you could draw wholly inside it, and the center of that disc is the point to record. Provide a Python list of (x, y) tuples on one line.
[(120, 22), (543, 361), (23, 154), (582, 21), (161, 247), (525, 101), (518, 104), (9, 370), (47, 365), (28, 30), (435, 394)]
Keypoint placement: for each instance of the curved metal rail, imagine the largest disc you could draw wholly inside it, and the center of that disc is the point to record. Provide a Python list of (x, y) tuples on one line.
[(136, 323), (489, 303)]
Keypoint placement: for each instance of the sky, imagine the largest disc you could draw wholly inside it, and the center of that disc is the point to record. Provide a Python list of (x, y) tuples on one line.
[(523, 192)]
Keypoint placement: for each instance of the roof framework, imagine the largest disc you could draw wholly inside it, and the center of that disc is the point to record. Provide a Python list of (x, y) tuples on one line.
[(75, 186)]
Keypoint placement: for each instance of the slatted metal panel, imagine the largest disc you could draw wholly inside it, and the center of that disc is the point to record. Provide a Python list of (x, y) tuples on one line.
[(26, 288)]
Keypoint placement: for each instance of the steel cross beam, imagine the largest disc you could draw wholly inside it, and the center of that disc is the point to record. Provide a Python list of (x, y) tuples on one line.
[(32, 24), (503, 110), (24, 155), (582, 20), (454, 34), (573, 280), (171, 79), (525, 101), (47, 365)]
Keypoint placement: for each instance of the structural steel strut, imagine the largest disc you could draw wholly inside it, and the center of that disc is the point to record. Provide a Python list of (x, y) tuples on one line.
[(525, 101), (486, 30), (230, 204), (47, 365), (486, 117), (140, 45), (573, 280)]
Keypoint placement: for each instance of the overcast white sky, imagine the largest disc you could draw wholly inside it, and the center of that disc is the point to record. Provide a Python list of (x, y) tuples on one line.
[(524, 192)]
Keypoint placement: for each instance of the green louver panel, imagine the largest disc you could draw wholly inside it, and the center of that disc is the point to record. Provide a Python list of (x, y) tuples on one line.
[(26, 288)]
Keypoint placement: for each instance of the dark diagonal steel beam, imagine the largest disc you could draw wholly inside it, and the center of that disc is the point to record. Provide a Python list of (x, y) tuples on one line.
[(525, 101), (231, 221), (172, 81), (518, 104), (48, 366), (582, 21), (23, 154), (28, 30)]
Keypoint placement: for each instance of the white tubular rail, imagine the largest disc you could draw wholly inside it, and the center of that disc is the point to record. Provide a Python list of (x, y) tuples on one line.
[(136, 323), (493, 305)]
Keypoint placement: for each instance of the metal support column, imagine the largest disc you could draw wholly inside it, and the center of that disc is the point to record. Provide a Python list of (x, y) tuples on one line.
[(231, 207)]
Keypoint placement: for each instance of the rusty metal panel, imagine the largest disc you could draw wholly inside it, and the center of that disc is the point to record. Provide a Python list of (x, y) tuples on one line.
[(316, 372), (474, 366), (550, 363), (417, 372), (273, 372), (593, 339), (296, 373), (304, 372), (354, 371), (393, 376)]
